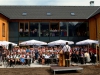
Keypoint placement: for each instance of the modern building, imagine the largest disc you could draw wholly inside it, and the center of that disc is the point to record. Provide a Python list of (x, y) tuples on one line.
[(49, 23)]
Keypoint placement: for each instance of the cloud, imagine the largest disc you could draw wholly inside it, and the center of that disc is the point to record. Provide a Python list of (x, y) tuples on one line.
[(50, 2)]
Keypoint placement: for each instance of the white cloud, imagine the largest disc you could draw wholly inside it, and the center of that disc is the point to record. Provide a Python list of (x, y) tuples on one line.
[(50, 2)]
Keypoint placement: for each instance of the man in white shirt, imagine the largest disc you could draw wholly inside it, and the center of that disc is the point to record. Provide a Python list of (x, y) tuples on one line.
[(66, 48), (67, 51)]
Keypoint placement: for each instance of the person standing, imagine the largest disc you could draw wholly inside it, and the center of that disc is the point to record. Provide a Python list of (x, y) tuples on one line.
[(1, 54), (67, 52)]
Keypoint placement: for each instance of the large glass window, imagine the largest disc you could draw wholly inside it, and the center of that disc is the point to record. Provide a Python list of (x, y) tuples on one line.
[(44, 29), (78, 28), (23, 29), (72, 27), (82, 29), (54, 29), (63, 29), (26, 30), (34, 32)]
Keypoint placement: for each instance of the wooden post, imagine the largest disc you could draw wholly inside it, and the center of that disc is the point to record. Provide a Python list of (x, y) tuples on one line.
[(88, 47)]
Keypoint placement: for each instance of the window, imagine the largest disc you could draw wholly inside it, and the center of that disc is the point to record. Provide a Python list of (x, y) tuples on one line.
[(23, 30), (72, 14), (44, 29), (78, 29), (24, 14), (26, 30), (3, 30), (63, 29), (34, 32), (48, 14), (54, 29)]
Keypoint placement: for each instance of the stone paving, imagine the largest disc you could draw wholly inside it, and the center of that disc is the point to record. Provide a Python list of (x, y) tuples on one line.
[(35, 64)]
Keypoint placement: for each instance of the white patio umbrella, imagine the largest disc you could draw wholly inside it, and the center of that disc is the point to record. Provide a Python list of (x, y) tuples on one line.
[(33, 42), (2, 43), (87, 42), (14, 44), (60, 42), (7, 43)]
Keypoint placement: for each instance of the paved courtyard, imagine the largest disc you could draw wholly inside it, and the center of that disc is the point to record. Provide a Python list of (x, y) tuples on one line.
[(35, 64)]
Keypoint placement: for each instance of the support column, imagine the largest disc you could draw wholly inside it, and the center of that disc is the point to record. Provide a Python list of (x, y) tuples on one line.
[(67, 28), (39, 29), (98, 32)]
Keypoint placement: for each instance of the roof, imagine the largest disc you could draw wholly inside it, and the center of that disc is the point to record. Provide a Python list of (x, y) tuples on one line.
[(96, 12), (54, 12)]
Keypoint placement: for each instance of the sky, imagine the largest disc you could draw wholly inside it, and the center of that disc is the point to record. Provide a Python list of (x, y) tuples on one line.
[(50, 2)]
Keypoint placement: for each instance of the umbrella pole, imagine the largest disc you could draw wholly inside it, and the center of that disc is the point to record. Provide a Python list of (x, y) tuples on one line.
[(88, 48), (96, 55)]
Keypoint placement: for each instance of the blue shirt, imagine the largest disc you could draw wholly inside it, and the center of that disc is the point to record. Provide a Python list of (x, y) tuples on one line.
[(28, 50)]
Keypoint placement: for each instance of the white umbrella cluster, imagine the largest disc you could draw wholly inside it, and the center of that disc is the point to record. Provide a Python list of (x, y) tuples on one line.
[(87, 42), (36, 42), (33, 42), (60, 42)]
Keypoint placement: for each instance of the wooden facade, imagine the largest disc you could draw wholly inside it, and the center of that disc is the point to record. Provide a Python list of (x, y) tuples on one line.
[(98, 26), (4, 29), (94, 27)]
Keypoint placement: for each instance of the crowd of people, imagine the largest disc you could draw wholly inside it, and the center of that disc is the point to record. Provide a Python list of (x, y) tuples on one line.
[(46, 54)]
